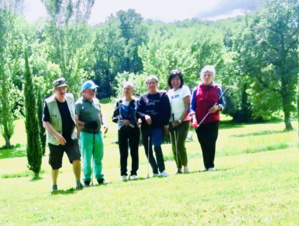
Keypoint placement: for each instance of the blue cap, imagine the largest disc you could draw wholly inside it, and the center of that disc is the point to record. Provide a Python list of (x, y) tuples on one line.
[(89, 85)]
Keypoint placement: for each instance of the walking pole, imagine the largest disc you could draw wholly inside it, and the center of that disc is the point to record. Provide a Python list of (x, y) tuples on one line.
[(148, 148), (93, 143), (175, 142), (209, 112)]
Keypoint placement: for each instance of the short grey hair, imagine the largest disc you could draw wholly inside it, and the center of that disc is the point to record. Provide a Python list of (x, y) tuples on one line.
[(154, 77), (208, 68), (129, 84)]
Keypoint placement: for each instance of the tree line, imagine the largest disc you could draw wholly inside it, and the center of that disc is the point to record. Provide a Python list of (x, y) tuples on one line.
[(256, 57)]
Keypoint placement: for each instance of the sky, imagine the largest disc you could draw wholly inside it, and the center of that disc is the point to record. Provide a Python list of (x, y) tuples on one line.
[(157, 10)]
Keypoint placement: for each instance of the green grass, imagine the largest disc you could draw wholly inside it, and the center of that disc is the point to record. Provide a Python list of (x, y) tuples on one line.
[(256, 182), (257, 188)]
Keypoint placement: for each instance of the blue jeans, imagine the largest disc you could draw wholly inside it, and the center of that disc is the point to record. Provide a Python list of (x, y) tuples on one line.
[(154, 137)]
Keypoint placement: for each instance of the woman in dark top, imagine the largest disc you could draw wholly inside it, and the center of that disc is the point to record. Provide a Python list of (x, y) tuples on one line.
[(154, 110), (128, 132), (206, 100)]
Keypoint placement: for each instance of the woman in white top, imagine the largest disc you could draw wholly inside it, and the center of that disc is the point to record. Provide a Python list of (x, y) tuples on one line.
[(179, 97)]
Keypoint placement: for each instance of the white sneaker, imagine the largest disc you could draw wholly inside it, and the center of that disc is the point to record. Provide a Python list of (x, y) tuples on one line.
[(164, 174), (186, 169), (133, 177), (123, 177), (211, 169), (203, 169)]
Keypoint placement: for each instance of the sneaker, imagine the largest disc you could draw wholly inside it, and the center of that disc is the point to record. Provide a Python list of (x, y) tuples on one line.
[(211, 169), (102, 181), (164, 174), (179, 171), (133, 177), (79, 186), (186, 169), (55, 187), (86, 183), (123, 177), (203, 169)]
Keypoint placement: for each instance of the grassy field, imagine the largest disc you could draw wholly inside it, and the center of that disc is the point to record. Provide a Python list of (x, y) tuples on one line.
[(256, 182)]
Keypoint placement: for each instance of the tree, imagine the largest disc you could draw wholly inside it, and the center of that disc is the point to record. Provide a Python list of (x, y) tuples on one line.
[(69, 37), (134, 34), (268, 53), (9, 54), (34, 148), (109, 48)]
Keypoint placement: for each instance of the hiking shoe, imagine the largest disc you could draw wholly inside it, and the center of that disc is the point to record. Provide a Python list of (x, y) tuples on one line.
[(164, 174), (86, 183), (123, 177), (133, 177), (79, 186), (55, 187), (186, 169), (211, 169), (203, 169), (102, 181), (179, 171)]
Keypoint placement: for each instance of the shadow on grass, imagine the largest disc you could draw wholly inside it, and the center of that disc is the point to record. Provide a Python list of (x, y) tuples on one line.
[(13, 153), (64, 192), (26, 173), (230, 125), (260, 133)]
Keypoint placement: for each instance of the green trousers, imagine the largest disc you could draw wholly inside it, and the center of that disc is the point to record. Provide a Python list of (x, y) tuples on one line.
[(91, 146), (178, 144)]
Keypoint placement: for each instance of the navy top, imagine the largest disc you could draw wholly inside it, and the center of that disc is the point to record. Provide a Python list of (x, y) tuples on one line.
[(157, 106), (125, 110)]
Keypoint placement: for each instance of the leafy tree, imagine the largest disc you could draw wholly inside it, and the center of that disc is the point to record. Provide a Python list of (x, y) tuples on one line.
[(268, 54), (9, 51), (109, 49), (134, 34), (34, 148), (69, 37)]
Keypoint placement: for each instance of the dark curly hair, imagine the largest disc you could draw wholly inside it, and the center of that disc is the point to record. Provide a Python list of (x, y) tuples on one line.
[(174, 73)]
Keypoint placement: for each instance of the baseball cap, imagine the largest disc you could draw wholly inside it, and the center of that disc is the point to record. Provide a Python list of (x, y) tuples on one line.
[(89, 85), (60, 82)]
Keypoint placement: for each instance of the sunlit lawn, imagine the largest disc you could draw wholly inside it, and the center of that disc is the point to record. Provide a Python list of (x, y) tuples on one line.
[(251, 185)]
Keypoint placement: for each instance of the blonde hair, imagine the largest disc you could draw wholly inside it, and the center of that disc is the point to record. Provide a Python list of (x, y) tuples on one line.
[(208, 68)]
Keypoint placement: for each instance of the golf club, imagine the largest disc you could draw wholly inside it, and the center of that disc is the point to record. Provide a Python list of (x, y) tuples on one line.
[(148, 148), (92, 157), (175, 142)]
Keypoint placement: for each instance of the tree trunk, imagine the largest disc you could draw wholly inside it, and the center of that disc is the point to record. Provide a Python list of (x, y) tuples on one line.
[(286, 110), (7, 142)]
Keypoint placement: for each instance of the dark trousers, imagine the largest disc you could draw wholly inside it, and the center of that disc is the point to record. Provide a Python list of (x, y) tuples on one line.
[(128, 136), (154, 137), (207, 135)]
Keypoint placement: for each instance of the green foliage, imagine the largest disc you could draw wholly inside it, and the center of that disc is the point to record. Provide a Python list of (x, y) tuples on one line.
[(185, 49), (34, 148), (267, 47), (9, 53), (109, 47), (137, 80)]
